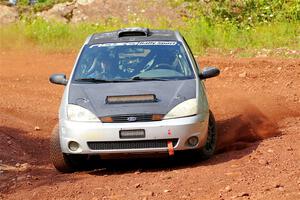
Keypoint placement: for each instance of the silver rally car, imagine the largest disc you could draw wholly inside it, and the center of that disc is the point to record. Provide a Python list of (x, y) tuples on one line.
[(132, 91)]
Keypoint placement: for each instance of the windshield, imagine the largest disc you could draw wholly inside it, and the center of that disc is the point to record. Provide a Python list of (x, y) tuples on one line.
[(133, 61)]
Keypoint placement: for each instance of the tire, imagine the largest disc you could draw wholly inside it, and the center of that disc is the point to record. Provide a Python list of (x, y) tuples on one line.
[(65, 163), (210, 146)]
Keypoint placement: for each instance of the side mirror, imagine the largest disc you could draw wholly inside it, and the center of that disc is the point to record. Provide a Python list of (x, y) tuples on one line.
[(209, 72), (59, 79)]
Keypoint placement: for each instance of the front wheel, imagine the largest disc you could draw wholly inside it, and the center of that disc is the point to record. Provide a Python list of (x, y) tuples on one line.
[(211, 142), (63, 162)]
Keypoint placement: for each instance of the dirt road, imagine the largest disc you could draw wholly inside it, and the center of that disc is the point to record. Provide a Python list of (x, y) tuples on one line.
[(257, 107)]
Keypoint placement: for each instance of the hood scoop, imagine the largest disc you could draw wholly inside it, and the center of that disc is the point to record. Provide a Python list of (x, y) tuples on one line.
[(144, 98)]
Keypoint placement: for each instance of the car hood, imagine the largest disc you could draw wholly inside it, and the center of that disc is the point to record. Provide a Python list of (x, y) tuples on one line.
[(168, 93)]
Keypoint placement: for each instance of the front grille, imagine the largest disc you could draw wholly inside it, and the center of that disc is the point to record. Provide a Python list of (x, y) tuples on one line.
[(139, 118), (139, 144), (126, 118)]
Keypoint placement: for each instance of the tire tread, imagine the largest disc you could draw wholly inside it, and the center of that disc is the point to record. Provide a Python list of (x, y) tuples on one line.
[(59, 159)]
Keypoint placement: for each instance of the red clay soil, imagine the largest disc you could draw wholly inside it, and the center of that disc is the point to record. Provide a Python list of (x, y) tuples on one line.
[(257, 106)]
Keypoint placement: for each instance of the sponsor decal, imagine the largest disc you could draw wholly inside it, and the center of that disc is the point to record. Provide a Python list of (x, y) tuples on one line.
[(145, 43)]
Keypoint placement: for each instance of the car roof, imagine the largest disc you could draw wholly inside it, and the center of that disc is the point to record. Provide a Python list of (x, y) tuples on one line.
[(134, 35)]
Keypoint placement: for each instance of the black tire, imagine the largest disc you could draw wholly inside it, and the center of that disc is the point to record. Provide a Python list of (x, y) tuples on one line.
[(65, 163), (210, 146)]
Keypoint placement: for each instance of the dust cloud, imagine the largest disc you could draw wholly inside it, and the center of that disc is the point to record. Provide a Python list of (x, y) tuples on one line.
[(245, 128)]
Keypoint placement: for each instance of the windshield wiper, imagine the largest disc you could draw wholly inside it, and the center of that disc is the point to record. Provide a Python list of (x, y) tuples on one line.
[(93, 80), (136, 78), (139, 78)]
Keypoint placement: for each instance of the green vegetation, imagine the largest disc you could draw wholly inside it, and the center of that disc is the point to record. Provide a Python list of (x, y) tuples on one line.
[(219, 26), (40, 5), (245, 13), (227, 36)]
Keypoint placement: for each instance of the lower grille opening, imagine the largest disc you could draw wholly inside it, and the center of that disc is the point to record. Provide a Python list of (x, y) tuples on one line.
[(137, 144)]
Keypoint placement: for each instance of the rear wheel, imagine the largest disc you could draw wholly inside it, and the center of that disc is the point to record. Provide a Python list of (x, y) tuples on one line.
[(211, 142), (61, 161)]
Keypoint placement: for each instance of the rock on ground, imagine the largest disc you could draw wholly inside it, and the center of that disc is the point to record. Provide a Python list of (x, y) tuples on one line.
[(104, 11), (62, 12), (8, 15)]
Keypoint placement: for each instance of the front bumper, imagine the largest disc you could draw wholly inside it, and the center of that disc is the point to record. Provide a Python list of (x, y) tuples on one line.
[(179, 129)]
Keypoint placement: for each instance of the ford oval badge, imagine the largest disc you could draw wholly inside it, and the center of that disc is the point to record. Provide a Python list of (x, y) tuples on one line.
[(131, 119)]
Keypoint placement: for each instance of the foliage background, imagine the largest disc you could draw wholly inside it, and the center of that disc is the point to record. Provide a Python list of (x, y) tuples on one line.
[(243, 27)]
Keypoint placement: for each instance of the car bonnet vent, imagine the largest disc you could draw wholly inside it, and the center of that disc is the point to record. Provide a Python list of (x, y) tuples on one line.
[(127, 32), (131, 99)]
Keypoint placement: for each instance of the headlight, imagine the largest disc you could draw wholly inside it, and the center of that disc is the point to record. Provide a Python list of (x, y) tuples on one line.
[(184, 109), (78, 113)]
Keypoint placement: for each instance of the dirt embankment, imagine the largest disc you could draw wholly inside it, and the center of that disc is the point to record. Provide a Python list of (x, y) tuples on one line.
[(257, 107)]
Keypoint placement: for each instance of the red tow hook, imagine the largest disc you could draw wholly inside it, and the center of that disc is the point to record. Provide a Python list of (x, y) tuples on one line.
[(170, 148)]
